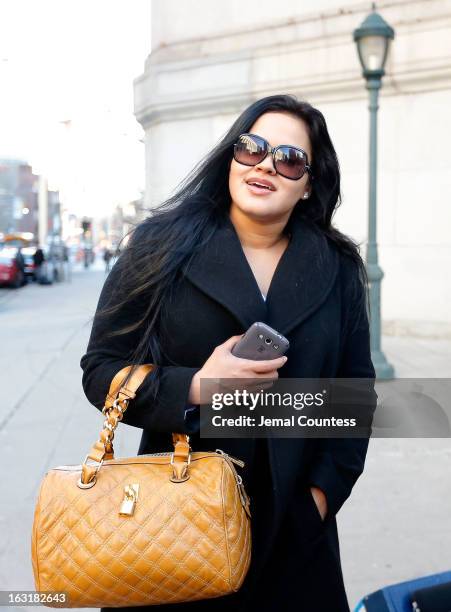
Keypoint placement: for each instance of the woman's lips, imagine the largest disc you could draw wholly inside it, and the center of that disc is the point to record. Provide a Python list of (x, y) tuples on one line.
[(258, 190)]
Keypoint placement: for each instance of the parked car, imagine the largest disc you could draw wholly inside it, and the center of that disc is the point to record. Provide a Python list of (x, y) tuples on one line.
[(10, 272), (28, 253)]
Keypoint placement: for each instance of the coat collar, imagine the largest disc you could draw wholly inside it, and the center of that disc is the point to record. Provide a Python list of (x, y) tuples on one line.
[(302, 280)]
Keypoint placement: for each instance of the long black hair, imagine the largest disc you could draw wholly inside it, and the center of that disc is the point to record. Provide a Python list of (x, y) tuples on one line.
[(159, 246)]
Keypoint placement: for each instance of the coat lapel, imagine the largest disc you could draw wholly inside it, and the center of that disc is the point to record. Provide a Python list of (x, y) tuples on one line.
[(301, 283), (303, 279), (221, 271)]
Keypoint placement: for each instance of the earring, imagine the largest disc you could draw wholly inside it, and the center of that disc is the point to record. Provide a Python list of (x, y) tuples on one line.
[(305, 195)]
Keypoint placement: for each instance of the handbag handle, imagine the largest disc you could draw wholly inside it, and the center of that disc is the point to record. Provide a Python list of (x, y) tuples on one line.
[(122, 389)]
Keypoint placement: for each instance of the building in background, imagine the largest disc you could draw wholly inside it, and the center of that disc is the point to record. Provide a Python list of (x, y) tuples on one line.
[(112, 229), (19, 202), (18, 197), (54, 214), (201, 73)]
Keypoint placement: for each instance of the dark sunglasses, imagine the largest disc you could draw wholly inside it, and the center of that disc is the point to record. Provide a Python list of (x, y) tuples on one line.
[(290, 162)]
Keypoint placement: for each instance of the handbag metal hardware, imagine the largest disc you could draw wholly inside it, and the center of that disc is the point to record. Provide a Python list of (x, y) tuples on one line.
[(185, 474), (90, 484), (130, 498)]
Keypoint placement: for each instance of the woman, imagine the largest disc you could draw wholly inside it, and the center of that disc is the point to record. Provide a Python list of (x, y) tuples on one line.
[(222, 253)]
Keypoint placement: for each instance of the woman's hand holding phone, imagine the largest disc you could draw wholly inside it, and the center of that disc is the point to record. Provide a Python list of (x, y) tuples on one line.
[(222, 364)]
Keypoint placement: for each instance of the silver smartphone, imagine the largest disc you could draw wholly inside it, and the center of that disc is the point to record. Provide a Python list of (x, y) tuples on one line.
[(261, 342)]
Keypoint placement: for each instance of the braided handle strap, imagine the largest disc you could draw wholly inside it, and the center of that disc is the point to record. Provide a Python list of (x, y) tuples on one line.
[(122, 389)]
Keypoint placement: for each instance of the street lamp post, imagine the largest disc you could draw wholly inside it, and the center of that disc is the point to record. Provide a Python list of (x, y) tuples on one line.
[(373, 38)]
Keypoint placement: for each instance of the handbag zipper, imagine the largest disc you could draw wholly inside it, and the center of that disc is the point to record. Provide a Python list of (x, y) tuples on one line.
[(230, 460), (218, 450), (234, 459), (245, 501), (78, 467), (162, 454)]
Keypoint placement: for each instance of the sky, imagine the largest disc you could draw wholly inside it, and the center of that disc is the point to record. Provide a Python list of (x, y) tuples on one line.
[(66, 103)]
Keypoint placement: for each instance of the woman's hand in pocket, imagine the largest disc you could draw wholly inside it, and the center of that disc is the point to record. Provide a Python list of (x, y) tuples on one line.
[(320, 500)]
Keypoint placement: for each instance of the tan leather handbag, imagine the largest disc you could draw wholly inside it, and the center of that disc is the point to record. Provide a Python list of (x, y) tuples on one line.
[(153, 529)]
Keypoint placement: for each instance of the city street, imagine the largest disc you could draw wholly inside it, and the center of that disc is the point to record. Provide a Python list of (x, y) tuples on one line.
[(394, 527)]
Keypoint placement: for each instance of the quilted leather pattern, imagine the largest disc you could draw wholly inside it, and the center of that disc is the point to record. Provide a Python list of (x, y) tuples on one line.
[(185, 541)]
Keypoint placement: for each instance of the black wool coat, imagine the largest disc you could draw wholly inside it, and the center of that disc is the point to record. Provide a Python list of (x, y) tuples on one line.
[(315, 300)]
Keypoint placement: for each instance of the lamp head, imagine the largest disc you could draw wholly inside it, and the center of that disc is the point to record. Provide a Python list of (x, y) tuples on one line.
[(373, 39)]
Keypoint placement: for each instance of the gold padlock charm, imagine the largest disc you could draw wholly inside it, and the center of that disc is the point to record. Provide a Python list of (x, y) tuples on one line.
[(130, 498)]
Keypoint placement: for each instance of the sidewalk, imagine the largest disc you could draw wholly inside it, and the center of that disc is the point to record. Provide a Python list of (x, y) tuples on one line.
[(45, 420), (395, 525), (418, 357)]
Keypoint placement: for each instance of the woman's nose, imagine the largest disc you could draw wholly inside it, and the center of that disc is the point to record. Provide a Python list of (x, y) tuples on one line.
[(267, 165)]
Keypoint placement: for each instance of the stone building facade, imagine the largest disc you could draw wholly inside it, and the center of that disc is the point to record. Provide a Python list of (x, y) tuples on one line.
[(209, 60)]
